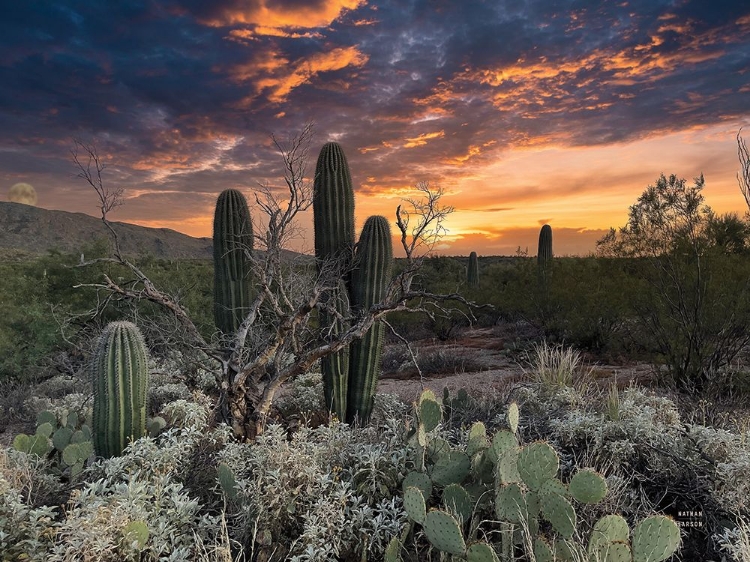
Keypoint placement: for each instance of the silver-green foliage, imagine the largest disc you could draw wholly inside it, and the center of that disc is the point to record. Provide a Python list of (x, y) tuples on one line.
[(326, 494), (132, 507)]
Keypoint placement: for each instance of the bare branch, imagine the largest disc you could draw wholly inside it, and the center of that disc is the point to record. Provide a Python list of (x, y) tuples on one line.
[(90, 168), (743, 176), (429, 216)]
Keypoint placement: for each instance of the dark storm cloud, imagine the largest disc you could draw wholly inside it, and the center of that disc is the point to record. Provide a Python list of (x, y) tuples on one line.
[(183, 94)]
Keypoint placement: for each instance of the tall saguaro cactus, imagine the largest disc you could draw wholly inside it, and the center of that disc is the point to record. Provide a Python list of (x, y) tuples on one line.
[(372, 273), (233, 237), (544, 254), (472, 272), (119, 370), (333, 217)]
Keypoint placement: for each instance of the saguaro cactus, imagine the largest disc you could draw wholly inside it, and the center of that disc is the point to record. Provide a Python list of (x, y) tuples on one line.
[(119, 369), (544, 254), (472, 272), (333, 218), (370, 278), (233, 237)]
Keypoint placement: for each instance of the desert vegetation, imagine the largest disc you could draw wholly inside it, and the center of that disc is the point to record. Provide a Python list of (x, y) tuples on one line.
[(229, 409)]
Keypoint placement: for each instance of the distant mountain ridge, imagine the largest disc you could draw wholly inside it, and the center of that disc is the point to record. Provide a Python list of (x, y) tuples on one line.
[(36, 230)]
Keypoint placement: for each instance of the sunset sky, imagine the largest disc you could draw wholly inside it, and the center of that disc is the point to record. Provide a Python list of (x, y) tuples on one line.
[(525, 113)]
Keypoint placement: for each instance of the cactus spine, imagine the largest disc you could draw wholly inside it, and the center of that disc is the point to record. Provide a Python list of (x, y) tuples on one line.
[(119, 369), (233, 238), (472, 272), (333, 218), (370, 278)]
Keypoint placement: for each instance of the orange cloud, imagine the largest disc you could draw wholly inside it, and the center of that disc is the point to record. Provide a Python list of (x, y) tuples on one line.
[(247, 35), (422, 139), (271, 71), (267, 14), (527, 87), (458, 160), (308, 68)]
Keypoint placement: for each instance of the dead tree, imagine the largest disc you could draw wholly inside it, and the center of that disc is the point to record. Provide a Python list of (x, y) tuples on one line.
[(277, 339)]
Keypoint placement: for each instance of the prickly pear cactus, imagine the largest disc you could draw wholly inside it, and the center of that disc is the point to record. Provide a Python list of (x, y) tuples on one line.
[(66, 441), (535, 510), (444, 532), (655, 539)]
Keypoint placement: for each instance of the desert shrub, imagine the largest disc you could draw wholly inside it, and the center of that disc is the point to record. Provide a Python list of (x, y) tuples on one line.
[(303, 396), (676, 466), (97, 519), (735, 541), (161, 394), (446, 360), (26, 532), (298, 498)]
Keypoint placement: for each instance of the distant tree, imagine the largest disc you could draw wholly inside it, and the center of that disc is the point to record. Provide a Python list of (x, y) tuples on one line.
[(693, 310), (728, 232)]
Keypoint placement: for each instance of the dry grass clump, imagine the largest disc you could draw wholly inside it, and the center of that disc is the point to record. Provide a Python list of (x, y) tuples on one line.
[(556, 366)]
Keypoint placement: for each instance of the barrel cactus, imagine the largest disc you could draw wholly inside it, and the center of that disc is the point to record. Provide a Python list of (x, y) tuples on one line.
[(472, 272), (119, 370), (233, 241), (369, 282), (333, 219)]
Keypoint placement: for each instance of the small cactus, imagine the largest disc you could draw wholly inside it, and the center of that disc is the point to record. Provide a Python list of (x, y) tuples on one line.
[(420, 481), (544, 254), (457, 501), (655, 539), (587, 486), (481, 552), (119, 371), (472, 271), (537, 463), (429, 414)]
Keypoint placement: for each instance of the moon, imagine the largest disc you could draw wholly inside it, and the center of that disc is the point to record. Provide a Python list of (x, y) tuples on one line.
[(23, 193)]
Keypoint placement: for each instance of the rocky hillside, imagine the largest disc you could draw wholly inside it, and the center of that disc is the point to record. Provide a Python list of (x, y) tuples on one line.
[(34, 230)]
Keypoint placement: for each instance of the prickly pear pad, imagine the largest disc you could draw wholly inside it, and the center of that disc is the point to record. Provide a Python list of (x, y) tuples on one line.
[(443, 532)]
